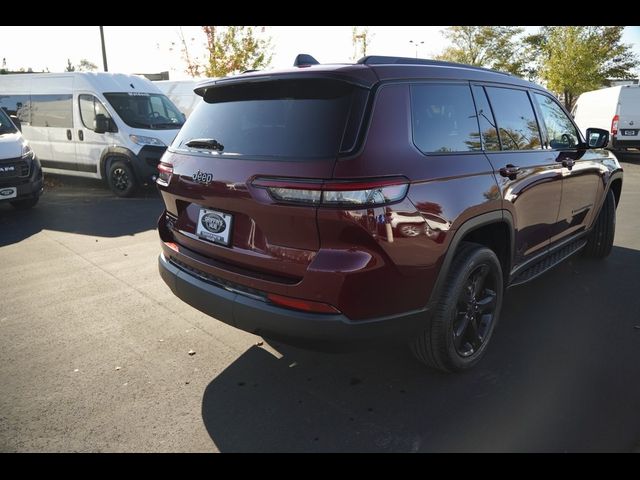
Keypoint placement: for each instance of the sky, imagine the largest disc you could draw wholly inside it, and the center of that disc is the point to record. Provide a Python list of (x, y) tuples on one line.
[(151, 49)]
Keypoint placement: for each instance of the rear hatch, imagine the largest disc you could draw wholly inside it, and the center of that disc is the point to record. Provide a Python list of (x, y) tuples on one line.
[(629, 114), (244, 133)]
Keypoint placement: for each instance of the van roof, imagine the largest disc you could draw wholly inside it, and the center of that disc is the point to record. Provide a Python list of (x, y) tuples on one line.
[(373, 69), (95, 81)]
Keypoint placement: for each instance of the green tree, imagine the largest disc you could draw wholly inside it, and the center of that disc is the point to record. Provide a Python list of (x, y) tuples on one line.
[(487, 46), (575, 59), (230, 50), (87, 66), (360, 38), (70, 67)]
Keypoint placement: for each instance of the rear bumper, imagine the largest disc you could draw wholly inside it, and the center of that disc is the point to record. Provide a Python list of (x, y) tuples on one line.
[(624, 144), (309, 330)]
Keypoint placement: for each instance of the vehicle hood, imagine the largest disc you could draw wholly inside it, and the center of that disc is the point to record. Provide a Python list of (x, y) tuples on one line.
[(10, 145)]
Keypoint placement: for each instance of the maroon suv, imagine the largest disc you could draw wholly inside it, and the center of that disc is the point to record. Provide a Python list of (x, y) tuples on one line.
[(338, 205)]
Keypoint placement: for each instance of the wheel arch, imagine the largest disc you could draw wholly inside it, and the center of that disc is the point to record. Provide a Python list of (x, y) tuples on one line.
[(119, 153), (475, 229)]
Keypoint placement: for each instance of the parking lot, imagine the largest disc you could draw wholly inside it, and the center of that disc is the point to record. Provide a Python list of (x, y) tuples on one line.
[(94, 354)]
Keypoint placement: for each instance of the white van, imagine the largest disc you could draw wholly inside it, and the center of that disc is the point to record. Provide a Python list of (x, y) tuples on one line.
[(102, 125), (616, 109), (20, 173), (181, 93)]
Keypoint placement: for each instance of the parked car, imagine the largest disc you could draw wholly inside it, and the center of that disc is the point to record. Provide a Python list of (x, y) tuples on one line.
[(102, 125), (616, 109), (181, 93), (20, 173), (282, 187)]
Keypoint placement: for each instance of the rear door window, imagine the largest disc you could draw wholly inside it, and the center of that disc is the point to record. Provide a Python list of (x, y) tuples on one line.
[(516, 122), (295, 119), (444, 118)]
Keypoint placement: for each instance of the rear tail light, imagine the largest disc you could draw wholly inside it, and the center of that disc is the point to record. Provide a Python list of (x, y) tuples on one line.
[(335, 193), (299, 304), (614, 125), (165, 171)]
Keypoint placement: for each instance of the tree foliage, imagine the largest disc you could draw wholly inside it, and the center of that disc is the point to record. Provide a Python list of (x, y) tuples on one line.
[(87, 66), (230, 50), (575, 59), (487, 46), (69, 67)]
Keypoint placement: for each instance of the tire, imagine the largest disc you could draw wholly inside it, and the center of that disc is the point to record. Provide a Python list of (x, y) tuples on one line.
[(26, 203), (455, 341), (121, 179), (600, 239)]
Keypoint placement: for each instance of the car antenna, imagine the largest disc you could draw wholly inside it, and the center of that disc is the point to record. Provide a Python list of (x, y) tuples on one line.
[(304, 60)]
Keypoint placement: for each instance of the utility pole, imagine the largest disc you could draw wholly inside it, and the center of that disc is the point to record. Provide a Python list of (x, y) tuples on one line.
[(104, 50), (416, 44)]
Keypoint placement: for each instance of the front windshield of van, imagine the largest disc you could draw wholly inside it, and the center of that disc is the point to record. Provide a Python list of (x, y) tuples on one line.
[(6, 125), (146, 110)]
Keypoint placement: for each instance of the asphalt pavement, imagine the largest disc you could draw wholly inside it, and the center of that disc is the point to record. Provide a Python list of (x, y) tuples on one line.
[(94, 354)]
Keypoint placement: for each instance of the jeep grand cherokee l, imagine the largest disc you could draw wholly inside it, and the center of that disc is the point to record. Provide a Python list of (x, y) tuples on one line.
[(289, 195)]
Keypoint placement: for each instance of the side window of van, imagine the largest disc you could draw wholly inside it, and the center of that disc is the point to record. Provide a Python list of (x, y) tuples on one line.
[(560, 130), (89, 107), (515, 119), (444, 118), (52, 111), (17, 105)]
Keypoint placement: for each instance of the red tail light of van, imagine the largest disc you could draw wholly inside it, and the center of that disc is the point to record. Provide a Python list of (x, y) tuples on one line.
[(357, 193), (614, 125)]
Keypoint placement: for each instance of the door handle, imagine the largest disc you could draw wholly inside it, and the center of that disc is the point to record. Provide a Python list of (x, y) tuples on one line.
[(68, 134), (81, 135), (510, 171)]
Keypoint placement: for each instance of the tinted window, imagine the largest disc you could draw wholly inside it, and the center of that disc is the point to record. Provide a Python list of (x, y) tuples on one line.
[(286, 118), (486, 120), (51, 111), (515, 119), (560, 130), (6, 125), (89, 107), (145, 110), (17, 105), (444, 118)]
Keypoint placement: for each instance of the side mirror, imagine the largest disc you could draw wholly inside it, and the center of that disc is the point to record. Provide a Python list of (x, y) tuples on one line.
[(16, 122), (103, 124), (597, 138)]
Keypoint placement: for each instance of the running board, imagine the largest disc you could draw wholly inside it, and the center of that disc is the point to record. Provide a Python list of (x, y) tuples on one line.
[(547, 262)]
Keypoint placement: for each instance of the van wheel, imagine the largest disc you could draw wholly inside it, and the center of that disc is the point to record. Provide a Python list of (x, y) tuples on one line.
[(120, 178), (600, 239), (26, 203), (462, 323)]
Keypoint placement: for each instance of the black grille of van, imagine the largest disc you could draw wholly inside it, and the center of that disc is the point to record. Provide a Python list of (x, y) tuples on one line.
[(14, 168)]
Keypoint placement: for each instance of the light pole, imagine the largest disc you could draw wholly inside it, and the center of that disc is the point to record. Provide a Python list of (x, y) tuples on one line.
[(416, 45), (104, 50)]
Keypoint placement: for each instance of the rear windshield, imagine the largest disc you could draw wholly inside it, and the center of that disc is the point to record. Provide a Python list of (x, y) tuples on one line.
[(297, 119)]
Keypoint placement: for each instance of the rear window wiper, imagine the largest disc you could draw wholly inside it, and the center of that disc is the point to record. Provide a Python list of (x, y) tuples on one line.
[(209, 143)]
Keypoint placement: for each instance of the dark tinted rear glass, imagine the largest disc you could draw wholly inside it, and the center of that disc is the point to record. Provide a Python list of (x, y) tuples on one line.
[(306, 118), (444, 118), (516, 121)]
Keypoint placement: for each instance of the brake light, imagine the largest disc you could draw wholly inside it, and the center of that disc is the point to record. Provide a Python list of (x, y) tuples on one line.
[(335, 193), (299, 304), (165, 170), (614, 125)]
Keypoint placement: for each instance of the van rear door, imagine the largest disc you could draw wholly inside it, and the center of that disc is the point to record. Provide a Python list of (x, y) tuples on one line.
[(629, 115)]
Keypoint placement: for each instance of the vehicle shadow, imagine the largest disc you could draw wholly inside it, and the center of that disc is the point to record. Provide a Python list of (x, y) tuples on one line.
[(561, 375), (84, 206)]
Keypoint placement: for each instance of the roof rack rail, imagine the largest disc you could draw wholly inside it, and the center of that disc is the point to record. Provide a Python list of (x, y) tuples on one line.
[(384, 60)]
